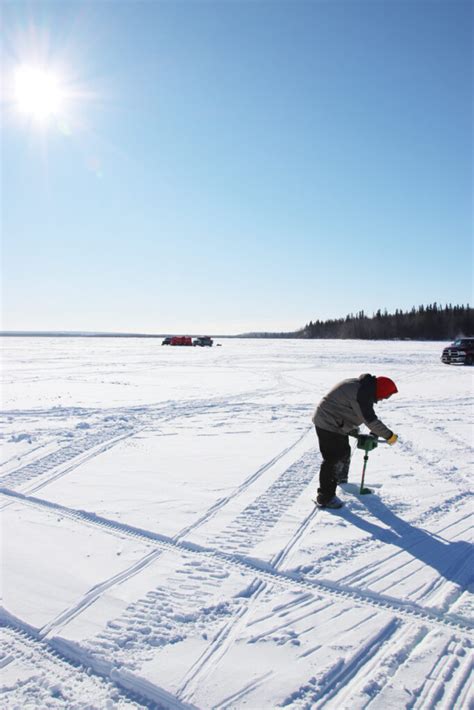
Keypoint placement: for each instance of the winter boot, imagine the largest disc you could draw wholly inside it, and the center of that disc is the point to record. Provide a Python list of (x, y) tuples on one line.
[(333, 502)]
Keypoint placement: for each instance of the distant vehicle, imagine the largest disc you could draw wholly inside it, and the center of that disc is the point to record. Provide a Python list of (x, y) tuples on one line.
[(461, 352), (203, 341), (166, 341), (181, 340)]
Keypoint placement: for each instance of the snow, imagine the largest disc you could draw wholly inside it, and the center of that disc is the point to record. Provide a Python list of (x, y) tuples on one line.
[(160, 548)]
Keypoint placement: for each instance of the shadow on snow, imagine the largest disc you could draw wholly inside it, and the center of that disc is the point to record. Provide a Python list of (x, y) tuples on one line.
[(453, 560)]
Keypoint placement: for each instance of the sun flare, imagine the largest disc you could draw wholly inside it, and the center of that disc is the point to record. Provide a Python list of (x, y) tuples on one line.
[(38, 92)]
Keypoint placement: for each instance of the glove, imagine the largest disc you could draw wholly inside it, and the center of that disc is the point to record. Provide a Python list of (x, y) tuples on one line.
[(354, 432), (393, 439)]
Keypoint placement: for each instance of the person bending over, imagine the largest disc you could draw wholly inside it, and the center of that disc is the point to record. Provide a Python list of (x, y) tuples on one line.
[(349, 404)]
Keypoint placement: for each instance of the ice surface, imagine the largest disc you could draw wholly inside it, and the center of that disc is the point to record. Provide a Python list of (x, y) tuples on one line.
[(160, 547)]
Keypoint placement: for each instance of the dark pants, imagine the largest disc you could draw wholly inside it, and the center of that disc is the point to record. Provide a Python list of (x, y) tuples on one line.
[(336, 454)]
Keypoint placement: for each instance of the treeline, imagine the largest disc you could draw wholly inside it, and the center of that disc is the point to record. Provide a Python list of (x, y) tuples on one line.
[(432, 322)]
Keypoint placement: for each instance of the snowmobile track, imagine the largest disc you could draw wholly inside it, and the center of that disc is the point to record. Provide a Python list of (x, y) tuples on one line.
[(90, 597), (66, 667), (253, 523), (263, 570), (223, 641), (76, 453), (243, 487), (93, 594)]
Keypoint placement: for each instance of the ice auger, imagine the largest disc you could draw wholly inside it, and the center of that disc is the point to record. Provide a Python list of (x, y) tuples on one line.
[(366, 442)]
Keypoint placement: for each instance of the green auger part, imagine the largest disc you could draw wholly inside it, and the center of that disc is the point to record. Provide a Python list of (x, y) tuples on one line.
[(367, 442)]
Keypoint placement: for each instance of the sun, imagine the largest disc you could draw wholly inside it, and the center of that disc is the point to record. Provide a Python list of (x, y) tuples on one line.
[(38, 92)]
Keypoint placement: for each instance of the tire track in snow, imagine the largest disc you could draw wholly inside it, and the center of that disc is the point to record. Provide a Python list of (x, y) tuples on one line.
[(459, 693), (450, 662), (261, 569), (232, 700), (227, 632), (342, 673), (397, 567), (240, 489), (197, 676), (68, 680), (447, 560), (188, 602), (443, 664), (457, 571), (290, 546), (355, 549), (20, 457), (285, 620), (377, 671), (206, 663), (93, 444), (254, 522), (375, 674), (416, 537), (98, 590), (78, 453), (212, 616)]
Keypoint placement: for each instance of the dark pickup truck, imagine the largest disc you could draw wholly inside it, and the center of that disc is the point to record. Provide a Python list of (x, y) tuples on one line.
[(461, 352), (203, 341)]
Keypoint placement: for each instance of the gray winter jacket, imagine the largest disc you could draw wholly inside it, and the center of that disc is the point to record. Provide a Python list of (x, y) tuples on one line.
[(349, 404)]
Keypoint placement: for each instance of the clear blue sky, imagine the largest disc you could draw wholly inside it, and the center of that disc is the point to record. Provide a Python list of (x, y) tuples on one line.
[(232, 166)]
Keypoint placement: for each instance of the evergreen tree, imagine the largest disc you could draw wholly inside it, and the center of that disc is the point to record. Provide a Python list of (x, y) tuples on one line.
[(431, 322)]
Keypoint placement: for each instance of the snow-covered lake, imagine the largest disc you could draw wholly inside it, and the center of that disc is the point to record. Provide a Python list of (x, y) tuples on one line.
[(160, 547)]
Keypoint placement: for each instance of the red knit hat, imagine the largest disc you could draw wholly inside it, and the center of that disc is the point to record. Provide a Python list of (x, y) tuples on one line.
[(385, 388)]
